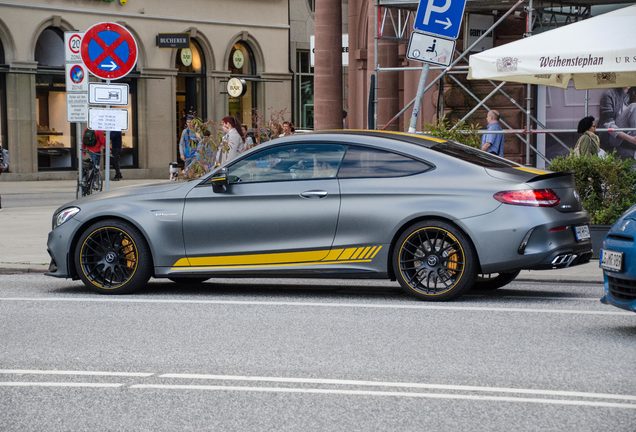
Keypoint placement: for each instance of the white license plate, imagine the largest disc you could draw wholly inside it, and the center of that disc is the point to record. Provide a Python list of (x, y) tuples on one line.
[(582, 232), (611, 260)]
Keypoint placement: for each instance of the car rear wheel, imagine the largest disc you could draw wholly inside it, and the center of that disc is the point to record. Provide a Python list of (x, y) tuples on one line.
[(492, 281), (112, 257), (434, 261)]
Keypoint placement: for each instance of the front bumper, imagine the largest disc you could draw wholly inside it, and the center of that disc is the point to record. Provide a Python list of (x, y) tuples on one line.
[(620, 287), (59, 248)]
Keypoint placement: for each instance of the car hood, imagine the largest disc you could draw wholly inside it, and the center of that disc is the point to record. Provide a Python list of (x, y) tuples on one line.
[(626, 224), (130, 191)]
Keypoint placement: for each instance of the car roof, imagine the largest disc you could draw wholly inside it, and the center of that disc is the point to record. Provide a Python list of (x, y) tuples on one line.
[(418, 139)]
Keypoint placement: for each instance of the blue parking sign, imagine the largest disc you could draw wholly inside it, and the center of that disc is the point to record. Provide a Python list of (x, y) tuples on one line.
[(440, 17)]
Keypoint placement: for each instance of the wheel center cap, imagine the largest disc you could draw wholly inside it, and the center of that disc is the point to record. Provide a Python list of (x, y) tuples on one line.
[(432, 260), (110, 257)]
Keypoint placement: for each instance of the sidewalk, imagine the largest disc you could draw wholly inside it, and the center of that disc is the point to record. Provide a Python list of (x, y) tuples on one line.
[(27, 209)]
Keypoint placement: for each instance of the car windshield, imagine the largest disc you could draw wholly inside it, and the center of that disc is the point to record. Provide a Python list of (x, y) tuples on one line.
[(472, 155)]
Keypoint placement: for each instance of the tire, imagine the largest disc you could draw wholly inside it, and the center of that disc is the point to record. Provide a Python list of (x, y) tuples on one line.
[(188, 280), (434, 261), (97, 184), (492, 281), (112, 257)]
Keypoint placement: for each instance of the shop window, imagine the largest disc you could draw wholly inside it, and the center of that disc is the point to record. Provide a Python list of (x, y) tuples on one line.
[(242, 64), (55, 138), (191, 85), (304, 91)]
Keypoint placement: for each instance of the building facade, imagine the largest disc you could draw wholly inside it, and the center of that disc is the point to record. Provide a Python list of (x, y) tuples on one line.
[(248, 39)]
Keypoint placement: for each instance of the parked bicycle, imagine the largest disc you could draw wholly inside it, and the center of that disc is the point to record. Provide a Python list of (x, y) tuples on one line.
[(91, 180)]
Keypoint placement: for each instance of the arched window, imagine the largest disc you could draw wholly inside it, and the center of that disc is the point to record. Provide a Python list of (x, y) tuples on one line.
[(242, 64), (55, 138), (191, 85)]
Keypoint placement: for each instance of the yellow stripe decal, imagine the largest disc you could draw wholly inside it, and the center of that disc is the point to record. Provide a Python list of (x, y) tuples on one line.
[(256, 259), (368, 254), (347, 254), (532, 170), (188, 269), (333, 255), (322, 256)]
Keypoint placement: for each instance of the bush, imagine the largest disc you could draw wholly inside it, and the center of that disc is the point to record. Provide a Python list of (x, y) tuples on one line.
[(607, 186), (465, 134)]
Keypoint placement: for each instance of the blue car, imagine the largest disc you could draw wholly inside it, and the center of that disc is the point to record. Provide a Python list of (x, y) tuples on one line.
[(618, 261)]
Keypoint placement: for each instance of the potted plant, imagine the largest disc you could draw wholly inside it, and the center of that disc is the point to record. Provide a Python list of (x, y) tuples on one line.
[(606, 185)]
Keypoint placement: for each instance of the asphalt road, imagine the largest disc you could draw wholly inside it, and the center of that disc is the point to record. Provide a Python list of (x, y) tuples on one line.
[(252, 355)]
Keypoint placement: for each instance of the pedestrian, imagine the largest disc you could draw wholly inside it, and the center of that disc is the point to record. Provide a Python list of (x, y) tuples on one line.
[(231, 140), (492, 142), (4, 160), (288, 129), (588, 143), (115, 146), (94, 141), (188, 144), (248, 138), (617, 110)]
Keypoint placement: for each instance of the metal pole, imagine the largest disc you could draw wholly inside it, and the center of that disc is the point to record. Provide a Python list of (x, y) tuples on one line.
[(418, 98), (528, 87), (107, 161), (78, 133), (377, 65)]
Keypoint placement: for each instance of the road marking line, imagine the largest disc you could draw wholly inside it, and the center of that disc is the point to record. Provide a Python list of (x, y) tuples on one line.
[(385, 394), (399, 384), (58, 384), (325, 305), (82, 373)]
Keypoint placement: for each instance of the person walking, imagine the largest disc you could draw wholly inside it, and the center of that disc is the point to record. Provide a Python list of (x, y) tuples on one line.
[(232, 140), (588, 143), (115, 147), (188, 144), (492, 142), (288, 129)]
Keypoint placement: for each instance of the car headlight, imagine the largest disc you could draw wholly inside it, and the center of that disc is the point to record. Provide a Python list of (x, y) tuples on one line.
[(64, 215)]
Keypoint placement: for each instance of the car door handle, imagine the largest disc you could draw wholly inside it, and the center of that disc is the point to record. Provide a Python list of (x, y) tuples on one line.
[(314, 194)]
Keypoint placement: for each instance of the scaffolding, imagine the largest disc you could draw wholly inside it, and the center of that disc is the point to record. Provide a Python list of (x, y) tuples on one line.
[(540, 15)]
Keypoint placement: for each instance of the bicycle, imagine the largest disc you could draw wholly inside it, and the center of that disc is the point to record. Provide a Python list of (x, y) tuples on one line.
[(91, 180)]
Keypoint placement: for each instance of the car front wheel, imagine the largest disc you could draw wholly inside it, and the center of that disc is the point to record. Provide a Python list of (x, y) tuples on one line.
[(112, 257), (434, 261)]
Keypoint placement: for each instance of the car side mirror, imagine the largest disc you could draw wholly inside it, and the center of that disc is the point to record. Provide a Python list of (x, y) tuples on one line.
[(220, 181)]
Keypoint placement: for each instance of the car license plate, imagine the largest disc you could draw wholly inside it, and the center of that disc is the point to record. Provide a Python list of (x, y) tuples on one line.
[(611, 260), (582, 232)]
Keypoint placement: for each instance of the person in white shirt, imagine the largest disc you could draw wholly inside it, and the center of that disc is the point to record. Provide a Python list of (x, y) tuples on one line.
[(232, 140)]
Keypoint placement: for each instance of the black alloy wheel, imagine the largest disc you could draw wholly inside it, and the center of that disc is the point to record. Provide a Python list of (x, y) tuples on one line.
[(434, 261), (112, 257)]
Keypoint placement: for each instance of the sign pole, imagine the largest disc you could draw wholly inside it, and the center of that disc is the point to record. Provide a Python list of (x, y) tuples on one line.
[(418, 97), (107, 161)]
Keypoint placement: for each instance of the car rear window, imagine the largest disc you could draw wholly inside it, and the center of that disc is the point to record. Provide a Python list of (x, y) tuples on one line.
[(472, 155), (368, 162)]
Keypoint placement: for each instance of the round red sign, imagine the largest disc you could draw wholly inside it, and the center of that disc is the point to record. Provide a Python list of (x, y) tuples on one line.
[(109, 51)]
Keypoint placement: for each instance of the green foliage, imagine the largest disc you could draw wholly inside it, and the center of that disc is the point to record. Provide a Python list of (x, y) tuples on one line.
[(465, 134), (607, 186)]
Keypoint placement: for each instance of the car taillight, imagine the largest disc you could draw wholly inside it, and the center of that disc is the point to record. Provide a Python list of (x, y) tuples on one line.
[(529, 197)]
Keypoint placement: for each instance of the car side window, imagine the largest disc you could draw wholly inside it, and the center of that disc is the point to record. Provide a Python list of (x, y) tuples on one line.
[(289, 162), (370, 162)]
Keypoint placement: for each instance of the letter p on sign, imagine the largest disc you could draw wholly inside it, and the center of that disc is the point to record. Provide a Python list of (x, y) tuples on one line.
[(437, 9)]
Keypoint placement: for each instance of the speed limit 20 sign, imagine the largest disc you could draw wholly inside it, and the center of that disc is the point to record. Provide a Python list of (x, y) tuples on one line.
[(72, 47)]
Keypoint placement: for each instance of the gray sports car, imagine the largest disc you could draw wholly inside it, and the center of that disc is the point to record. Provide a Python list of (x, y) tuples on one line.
[(438, 216)]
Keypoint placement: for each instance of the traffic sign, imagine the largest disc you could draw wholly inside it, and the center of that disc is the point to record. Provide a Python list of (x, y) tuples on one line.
[(109, 51), (76, 77), (440, 17), (108, 119), (108, 94), (72, 46), (430, 49), (76, 107)]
